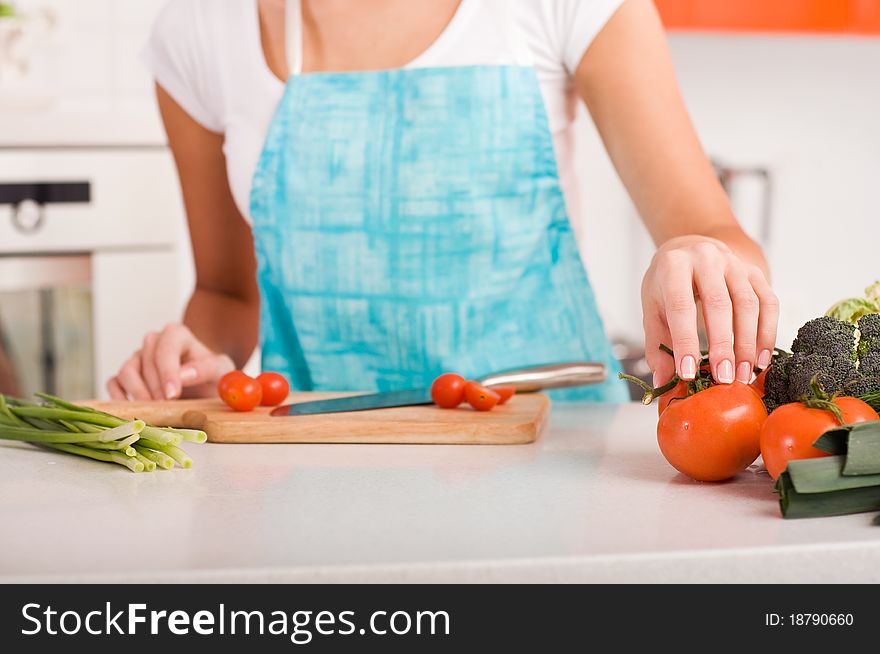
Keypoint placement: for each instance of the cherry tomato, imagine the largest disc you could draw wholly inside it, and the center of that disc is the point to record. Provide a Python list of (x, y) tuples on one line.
[(447, 390), (275, 388), (239, 391), (791, 430), (226, 380), (713, 434), (758, 382), (480, 397), (504, 393)]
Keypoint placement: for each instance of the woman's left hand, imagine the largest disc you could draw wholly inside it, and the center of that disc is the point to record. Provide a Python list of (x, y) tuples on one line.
[(739, 308)]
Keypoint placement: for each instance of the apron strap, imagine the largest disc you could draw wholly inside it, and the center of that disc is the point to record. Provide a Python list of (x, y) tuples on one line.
[(293, 36)]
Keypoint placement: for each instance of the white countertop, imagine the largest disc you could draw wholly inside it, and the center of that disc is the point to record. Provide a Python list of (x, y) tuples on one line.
[(592, 501)]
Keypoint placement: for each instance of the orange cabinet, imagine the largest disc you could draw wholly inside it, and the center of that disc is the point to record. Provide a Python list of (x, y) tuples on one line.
[(828, 16)]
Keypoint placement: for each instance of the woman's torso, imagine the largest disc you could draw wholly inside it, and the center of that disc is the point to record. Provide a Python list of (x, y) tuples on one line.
[(234, 90)]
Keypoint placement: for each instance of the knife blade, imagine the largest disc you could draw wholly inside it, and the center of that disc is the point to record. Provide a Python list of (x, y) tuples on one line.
[(525, 380)]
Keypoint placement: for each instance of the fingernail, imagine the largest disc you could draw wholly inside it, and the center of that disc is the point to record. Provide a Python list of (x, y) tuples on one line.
[(744, 372), (170, 391), (688, 367), (764, 359), (724, 372), (188, 374), (656, 379)]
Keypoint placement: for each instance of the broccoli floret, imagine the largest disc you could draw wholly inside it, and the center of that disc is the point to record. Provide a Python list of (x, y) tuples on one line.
[(830, 351), (860, 385), (826, 336), (869, 335), (831, 373), (869, 367), (776, 384)]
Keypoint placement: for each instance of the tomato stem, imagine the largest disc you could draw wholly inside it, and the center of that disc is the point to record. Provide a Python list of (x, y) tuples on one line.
[(821, 400), (650, 391)]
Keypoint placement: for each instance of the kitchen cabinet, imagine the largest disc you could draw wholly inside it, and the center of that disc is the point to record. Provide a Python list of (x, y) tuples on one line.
[(805, 16)]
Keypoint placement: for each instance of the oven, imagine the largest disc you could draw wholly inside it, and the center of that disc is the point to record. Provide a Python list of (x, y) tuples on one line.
[(89, 244)]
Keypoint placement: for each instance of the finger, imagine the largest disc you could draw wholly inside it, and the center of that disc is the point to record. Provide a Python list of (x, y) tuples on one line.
[(657, 333), (676, 281), (745, 321), (173, 343), (768, 318), (148, 366), (205, 369), (718, 315), (115, 390), (132, 382)]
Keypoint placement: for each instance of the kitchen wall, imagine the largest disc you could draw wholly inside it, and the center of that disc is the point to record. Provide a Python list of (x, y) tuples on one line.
[(804, 107), (86, 83)]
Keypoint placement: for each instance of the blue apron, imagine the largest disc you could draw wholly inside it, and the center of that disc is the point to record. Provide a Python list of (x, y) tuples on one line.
[(410, 222)]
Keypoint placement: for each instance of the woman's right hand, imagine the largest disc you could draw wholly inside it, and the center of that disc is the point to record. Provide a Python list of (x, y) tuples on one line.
[(170, 364)]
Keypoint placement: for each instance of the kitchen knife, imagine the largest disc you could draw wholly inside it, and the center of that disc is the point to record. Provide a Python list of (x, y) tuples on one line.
[(525, 380)]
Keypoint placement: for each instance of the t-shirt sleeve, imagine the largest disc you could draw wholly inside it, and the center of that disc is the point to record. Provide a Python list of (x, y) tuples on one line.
[(577, 22), (178, 55)]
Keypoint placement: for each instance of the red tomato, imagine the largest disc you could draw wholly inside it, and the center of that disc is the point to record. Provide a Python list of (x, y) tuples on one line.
[(239, 391), (480, 397), (791, 430), (226, 380), (680, 390), (275, 388), (504, 393), (713, 434), (447, 390), (758, 382)]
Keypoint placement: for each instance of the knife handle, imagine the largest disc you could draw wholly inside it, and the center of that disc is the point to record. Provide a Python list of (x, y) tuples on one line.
[(557, 375)]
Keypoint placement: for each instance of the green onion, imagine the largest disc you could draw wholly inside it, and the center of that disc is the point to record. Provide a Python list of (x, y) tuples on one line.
[(7, 416), (159, 458), (64, 404), (87, 427), (175, 453), (161, 436), (40, 436), (111, 457), (149, 464), (39, 423), (122, 431), (74, 429), (191, 435), (70, 426), (52, 413), (114, 445)]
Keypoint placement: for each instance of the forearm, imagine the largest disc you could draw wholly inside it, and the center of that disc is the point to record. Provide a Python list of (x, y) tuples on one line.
[(634, 100), (225, 323)]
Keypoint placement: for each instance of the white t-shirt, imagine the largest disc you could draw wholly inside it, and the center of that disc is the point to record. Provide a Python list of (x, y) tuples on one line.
[(208, 56)]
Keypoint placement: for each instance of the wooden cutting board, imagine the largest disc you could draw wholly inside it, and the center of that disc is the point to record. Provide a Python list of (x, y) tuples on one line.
[(520, 420)]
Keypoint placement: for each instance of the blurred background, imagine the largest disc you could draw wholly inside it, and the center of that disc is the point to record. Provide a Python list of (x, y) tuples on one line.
[(785, 95)]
